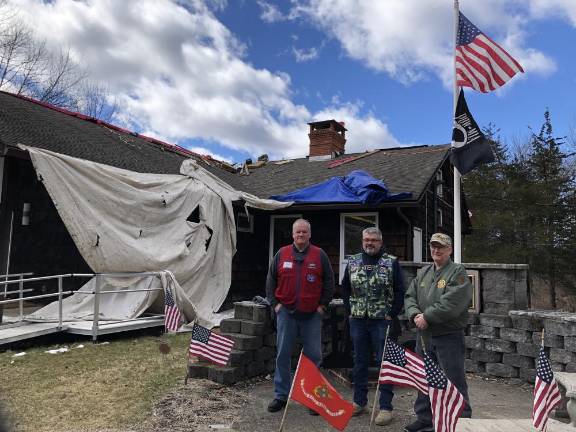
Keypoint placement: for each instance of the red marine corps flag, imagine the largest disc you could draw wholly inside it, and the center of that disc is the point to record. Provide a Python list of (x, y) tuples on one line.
[(312, 390)]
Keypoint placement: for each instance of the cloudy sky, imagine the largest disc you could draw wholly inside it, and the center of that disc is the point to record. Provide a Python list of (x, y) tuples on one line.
[(239, 78)]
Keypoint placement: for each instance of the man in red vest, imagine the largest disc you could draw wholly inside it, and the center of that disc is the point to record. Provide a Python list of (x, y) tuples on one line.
[(299, 287)]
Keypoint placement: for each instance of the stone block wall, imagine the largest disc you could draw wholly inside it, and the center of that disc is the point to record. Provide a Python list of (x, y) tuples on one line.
[(508, 345), (254, 352)]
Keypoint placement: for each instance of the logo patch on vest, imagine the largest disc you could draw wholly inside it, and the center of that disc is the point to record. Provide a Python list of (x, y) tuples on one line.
[(441, 283), (287, 264), (310, 278), (312, 265)]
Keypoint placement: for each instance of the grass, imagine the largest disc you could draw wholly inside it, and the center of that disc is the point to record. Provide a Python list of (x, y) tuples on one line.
[(95, 387)]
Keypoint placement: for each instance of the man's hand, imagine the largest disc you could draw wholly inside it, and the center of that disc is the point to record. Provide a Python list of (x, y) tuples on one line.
[(420, 322), (321, 310), (277, 307)]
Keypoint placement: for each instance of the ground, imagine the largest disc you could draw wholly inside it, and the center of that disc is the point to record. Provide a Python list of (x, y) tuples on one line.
[(206, 406)]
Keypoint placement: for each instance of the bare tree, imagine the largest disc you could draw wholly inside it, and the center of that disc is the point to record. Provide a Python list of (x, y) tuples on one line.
[(29, 68)]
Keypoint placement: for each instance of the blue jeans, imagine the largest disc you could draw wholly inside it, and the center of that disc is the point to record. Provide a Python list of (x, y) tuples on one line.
[(448, 351), (366, 333), (288, 327)]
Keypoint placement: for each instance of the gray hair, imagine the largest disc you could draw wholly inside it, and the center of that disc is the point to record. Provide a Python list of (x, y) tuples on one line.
[(372, 231), (302, 221)]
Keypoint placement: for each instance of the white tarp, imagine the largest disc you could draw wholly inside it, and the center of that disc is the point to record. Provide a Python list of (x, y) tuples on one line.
[(123, 221)]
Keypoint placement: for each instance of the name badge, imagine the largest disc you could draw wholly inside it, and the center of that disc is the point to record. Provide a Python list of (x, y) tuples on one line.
[(287, 264)]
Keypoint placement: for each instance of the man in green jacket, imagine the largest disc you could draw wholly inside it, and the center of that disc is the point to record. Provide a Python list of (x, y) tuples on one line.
[(437, 303)]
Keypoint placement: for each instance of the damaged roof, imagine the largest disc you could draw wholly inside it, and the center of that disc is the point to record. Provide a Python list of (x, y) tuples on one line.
[(32, 123)]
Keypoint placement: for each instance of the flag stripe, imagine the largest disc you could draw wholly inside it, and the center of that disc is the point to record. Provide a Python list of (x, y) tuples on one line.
[(480, 62)]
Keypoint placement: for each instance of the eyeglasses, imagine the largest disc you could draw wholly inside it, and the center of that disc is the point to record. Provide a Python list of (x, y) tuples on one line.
[(437, 246)]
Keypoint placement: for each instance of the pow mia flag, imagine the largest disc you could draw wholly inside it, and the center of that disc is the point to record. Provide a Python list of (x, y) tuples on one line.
[(470, 147)]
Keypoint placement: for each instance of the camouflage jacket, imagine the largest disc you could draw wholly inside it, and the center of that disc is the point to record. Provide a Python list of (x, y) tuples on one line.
[(372, 291)]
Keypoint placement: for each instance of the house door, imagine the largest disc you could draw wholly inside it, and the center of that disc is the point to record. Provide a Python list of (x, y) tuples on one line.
[(281, 232), (351, 227)]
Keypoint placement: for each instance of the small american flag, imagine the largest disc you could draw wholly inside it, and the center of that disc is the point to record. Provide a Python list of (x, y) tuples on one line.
[(171, 313), (210, 346), (446, 401), (480, 62), (403, 368), (546, 392)]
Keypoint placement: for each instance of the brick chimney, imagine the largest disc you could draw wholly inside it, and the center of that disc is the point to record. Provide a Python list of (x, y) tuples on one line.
[(327, 139)]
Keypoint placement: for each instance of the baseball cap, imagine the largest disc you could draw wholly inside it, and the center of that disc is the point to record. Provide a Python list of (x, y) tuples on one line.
[(443, 239)]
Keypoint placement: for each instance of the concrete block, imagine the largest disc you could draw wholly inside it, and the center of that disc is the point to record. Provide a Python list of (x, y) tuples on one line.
[(500, 345), (519, 361), (483, 331), (528, 375), (264, 354), (486, 356), (270, 340), (497, 308), (230, 325), (550, 340), (240, 358), (526, 322), (256, 368), (558, 367), (261, 313), (473, 319), (497, 286), (559, 327), (515, 335), (473, 342), (570, 343), (252, 328), (245, 342), (494, 320), (244, 310), (224, 375), (570, 367), (198, 370), (474, 367), (561, 356), (527, 349), (501, 370)]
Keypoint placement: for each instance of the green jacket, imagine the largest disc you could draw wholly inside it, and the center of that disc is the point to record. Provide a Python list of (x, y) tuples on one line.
[(443, 296)]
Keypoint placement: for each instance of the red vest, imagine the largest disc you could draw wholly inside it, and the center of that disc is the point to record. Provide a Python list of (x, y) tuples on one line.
[(299, 284)]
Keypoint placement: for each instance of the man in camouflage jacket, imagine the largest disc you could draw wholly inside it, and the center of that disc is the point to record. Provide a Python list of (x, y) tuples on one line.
[(373, 294)]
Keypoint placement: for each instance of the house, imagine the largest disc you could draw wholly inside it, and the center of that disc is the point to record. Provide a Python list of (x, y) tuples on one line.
[(34, 239)]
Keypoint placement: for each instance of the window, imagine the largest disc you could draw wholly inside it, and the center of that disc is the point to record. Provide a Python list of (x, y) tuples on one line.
[(281, 232), (351, 227), (439, 184), (439, 222), (244, 222)]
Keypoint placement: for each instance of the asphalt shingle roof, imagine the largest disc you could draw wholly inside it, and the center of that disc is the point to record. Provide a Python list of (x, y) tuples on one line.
[(23, 121)]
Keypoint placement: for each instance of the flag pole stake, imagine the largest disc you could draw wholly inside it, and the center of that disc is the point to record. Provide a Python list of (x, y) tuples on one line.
[(290, 393), (376, 396), (542, 336), (188, 355)]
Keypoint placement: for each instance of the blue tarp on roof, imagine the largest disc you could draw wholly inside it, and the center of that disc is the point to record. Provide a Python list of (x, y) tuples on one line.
[(356, 187)]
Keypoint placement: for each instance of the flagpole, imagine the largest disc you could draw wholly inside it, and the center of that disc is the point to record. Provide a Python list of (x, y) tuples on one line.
[(457, 193), (376, 396), (290, 393)]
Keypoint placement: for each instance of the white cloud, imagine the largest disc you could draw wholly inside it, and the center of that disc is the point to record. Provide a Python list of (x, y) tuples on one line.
[(554, 8), (303, 55), (269, 12), (411, 42)]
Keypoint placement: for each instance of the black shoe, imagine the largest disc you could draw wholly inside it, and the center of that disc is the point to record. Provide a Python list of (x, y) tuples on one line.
[(312, 412), (419, 426), (276, 405)]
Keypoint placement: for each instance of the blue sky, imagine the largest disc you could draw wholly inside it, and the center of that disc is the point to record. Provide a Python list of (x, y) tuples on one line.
[(239, 78)]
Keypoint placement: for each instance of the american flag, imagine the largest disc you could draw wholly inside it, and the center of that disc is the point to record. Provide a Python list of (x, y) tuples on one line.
[(403, 368), (446, 401), (546, 392), (171, 313), (480, 62), (210, 346)]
